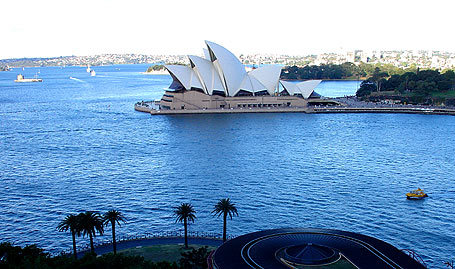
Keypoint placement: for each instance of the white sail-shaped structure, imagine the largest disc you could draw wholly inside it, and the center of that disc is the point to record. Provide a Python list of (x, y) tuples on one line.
[(305, 88), (206, 73), (221, 73), (184, 75), (268, 75), (218, 80), (251, 84), (230, 69)]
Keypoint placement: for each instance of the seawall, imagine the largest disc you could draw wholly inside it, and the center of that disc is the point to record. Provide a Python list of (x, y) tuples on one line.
[(148, 107), (408, 110)]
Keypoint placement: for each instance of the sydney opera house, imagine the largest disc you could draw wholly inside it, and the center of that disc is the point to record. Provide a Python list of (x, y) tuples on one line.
[(220, 81)]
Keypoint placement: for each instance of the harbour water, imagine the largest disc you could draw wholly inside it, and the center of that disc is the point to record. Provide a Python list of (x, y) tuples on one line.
[(75, 144)]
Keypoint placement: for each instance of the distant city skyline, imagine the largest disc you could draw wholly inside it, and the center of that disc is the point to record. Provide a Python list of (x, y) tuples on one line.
[(50, 28)]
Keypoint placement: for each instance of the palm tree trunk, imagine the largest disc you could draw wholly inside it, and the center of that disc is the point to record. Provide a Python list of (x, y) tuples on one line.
[(224, 226), (186, 233), (73, 233), (91, 243), (113, 238)]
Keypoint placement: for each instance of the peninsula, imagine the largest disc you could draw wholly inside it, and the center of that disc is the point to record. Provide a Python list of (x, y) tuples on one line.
[(157, 69), (418, 87), (219, 83)]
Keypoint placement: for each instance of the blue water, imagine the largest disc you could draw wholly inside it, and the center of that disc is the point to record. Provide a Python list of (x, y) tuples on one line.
[(69, 145)]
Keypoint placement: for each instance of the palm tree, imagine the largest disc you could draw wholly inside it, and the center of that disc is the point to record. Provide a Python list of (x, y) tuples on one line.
[(90, 223), (225, 207), (71, 222), (185, 212), (113, 216)]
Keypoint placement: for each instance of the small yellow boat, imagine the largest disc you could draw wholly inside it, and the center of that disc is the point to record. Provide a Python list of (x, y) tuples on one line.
[(21, 78), (416, 194)]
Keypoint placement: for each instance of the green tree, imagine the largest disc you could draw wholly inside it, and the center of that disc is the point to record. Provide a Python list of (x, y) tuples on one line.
[(27, 257), (366, 88), (71, 222), (194, 259), (378, 77), (185, 213), (112, 217), (225, 207), (90, 223), (33, 257), (392, 83)]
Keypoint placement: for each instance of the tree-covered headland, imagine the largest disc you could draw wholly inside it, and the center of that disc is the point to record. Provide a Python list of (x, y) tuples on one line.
[(347, 71), (429, 87), (385, 81), (157, 67)]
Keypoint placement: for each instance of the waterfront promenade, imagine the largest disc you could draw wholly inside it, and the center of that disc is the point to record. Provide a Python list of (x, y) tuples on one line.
[(150, 241), (351, 105)]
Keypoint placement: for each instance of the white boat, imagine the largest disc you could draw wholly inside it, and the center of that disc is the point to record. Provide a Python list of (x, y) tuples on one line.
[(88, 69), (92, 73)]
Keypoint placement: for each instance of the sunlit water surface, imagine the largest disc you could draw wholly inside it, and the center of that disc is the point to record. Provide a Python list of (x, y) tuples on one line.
[(76, 144)]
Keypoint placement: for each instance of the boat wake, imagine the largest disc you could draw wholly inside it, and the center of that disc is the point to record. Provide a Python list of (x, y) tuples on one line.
[(76, 79)]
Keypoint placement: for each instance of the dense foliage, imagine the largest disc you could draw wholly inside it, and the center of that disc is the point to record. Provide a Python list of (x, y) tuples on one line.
[(426, 86), (34, 257), (157, 67), (339, 71), (195, 258)]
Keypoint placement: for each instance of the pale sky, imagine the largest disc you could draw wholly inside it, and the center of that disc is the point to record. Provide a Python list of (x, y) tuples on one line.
[(48, 28)]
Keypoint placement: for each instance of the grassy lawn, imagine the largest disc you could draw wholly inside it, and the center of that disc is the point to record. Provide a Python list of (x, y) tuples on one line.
[(157, 253), (384, 93), (447, 94)]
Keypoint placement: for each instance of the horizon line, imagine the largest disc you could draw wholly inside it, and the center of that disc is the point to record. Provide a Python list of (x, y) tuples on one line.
[(278, 54)]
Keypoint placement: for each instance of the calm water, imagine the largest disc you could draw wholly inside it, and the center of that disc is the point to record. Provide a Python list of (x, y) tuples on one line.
[(69, 145)]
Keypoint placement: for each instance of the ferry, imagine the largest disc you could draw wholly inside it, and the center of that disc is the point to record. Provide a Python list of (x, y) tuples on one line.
[(21, 78), (416, 194)]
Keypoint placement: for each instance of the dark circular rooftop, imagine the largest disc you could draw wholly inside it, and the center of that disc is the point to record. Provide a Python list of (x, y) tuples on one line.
[(307, 254), (297, 248)]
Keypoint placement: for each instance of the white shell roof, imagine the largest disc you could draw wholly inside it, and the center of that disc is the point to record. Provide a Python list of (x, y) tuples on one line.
[(182, 73), (206, 54), (231, 70), (206, 72), (290, 87), (268, 75), (251, 84), (305, 88), (222, 71), (185, 75), (195, 82)]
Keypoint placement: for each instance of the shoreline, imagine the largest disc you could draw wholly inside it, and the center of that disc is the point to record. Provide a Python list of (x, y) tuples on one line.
[(147, 107), (329, 79), (144, 242), (155, 73)]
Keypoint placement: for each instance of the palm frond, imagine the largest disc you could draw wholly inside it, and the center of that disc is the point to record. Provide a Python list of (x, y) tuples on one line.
[(70, 222), (90, 223), (184, 211), (224, 206), (112, 216)]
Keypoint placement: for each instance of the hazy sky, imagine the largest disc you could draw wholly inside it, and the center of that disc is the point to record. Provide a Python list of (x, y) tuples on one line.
[(47, 28)]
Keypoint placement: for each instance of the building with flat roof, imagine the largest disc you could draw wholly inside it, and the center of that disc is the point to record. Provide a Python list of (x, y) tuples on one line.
[(220, 80)]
